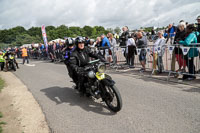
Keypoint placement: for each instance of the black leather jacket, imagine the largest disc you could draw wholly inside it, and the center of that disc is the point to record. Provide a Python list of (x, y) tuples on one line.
[(123, 38), (80, 58)]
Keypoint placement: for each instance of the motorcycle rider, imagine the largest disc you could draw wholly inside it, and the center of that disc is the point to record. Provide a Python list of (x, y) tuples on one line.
[(79, 59), (67, 51), (2, 60), (7, 56)]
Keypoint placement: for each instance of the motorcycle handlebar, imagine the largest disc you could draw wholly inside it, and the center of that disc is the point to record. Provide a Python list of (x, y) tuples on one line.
[(94, 61)]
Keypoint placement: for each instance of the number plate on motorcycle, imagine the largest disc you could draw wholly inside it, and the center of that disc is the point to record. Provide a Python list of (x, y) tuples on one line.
[(100, 76)]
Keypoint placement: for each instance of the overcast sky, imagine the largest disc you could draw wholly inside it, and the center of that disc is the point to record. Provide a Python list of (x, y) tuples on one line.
[(107, 13)]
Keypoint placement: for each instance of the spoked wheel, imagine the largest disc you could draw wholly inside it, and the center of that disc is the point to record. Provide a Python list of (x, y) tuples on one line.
[(113, 98)]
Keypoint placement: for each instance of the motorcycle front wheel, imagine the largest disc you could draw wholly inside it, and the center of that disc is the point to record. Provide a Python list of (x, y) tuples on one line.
[(113, 98), (13, 66)]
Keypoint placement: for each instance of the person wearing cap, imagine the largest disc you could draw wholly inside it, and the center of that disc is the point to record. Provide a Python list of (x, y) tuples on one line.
[(2, 60), (193, 52)]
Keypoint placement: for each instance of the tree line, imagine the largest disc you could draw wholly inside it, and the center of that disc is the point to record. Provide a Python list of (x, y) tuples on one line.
[(18, 36)]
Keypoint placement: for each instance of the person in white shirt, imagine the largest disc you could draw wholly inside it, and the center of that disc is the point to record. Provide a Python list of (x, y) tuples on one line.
[(131, 51), (158, 52)]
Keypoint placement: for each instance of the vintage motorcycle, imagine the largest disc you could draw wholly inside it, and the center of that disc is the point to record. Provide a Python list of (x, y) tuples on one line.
[(100, 85), (11, 63)]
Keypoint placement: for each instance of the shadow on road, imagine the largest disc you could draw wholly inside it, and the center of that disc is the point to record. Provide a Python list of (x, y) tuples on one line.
[(193, 90), (161, 78), (69, 95), (146, 77)]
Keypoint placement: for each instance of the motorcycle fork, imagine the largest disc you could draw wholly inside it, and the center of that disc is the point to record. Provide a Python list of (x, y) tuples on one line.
[(105, 94), (103, 90)]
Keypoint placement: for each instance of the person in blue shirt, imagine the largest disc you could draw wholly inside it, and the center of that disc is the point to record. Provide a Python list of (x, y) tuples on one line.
[(190, 40), (105, 41), (41, 46), (42, 49), (165, 34), (171, 33), (105, 44)]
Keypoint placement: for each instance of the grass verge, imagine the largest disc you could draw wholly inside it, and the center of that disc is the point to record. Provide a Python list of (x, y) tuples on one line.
[(1, 84), (1, 123), (1, 115)]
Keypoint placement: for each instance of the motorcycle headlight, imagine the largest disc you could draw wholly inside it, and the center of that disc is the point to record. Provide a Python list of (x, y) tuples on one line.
[(91, 74), (101, 68)]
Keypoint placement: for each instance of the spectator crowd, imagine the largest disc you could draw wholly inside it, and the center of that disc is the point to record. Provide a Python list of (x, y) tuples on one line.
[(133, 43)]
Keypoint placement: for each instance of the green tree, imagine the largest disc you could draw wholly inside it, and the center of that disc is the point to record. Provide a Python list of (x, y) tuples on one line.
[(75, 31), (87, 31), (62, 31), (26, 39), (99, 30), (117, 30), (10, 36), (48, 28), (19, 35), (110, 30), (33, 31), (19, 30)]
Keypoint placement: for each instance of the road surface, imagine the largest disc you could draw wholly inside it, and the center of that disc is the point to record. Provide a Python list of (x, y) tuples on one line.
[(149, 106)]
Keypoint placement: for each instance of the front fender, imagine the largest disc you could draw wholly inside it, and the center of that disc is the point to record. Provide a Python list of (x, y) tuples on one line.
[(107, 82)]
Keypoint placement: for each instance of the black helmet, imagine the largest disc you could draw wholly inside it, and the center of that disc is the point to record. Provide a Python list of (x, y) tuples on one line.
[(79, 40), (69, 42)]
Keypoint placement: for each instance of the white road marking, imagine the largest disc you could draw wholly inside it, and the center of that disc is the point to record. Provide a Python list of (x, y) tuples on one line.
[(30, 65)]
